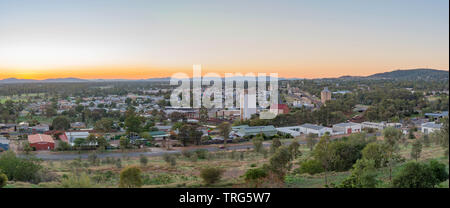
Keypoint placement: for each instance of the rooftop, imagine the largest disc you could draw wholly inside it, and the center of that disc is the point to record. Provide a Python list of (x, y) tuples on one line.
[(36, 138)]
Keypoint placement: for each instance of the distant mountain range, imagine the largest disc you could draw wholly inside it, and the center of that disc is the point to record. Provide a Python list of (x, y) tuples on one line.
[(406, 74)]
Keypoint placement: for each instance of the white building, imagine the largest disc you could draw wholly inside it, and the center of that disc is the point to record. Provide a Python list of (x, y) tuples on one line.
[(430, 127), (347, 128), (71, 136), (305, 129), (247, 105), (380, 126)]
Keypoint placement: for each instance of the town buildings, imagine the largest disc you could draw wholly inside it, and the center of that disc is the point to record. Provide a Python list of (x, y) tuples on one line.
[(41, 142)]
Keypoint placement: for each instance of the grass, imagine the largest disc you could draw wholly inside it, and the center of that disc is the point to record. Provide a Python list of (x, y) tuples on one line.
[(159, 174)]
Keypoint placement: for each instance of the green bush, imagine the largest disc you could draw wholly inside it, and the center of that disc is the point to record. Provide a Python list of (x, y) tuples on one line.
[(421, 175), (143, 160), (311, 167), (19, 169), (211, 175), (130, 177), (255, 174), (3, 179)]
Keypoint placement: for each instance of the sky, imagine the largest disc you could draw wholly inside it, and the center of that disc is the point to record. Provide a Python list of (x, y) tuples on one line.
[(135, 39)]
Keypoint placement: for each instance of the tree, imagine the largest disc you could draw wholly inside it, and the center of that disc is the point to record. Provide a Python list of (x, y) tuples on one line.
[(133, 123), (104, 125), (258, 144), (426, 140), (211, 175), (421, 175), (62, 146), (416, 150), (444, 133), (130, 177), (279, 163), (225, 129), (363, 175), (124, 142), (323, 154), (188, 133), (294, 149), (411, 134), (276, 143), (391, 138), (26, 147), (375, 152), (311, 140), (61, 123), (102, 143)]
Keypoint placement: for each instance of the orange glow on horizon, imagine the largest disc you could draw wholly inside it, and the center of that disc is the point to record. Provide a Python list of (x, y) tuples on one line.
[(142, 72)]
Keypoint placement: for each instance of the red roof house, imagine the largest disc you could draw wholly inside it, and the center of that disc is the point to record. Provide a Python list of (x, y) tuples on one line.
[(41, 142), (279, 108)]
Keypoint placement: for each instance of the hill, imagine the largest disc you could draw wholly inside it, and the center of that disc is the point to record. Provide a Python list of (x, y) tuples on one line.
[(413, 74)]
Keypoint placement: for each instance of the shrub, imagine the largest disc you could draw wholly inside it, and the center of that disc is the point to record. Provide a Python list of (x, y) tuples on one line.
[(258, 144), (3, 179), (311, 167), (19, 169), (211, 175), (76, 181), (363, 175), (186, 153), (201, 154), (421, 175), (170, 159), (63, 146), (255, 174), (143, 160), (130, 177), (375, 152), (118, 163)]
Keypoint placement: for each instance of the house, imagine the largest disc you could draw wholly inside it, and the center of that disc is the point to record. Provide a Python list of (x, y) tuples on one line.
[(164, 128), (279, 109), (7, 128), (430, 127), (41, 142), (78, 125), (4, 144), (347, 128), (41, 128), (72, 136), (436, 116), (255, 130), (159, 135)]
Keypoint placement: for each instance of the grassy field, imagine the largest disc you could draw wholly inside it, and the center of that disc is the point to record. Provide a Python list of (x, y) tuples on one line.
[(158, 173)]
